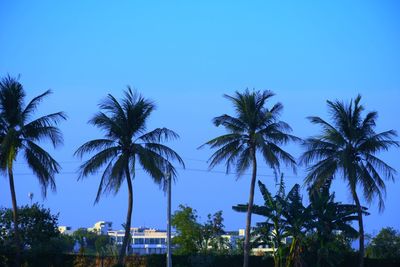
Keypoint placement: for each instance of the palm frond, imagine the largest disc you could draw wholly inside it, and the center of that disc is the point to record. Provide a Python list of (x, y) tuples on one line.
[(112, 128), (373, 186), (164, 151), (321, 172), (232, 124), (224, 140), (12, 97), (111, 105), (137, 114), (159, 135), (42, 165), (374, 162), (32, 105), (378, 142), (94, 145), (283, 156), (92, 165), (243, 161), (152, 163), (104, 181), (225, 152), (118, 173), (44, 128)]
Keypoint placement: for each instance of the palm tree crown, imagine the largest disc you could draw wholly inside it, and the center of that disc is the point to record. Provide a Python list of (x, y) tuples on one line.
[(347, 148), (19, 133), (126, 141), (254, 128)]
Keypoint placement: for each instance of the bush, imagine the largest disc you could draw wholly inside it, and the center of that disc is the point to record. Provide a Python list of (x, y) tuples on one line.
[(203, 260)]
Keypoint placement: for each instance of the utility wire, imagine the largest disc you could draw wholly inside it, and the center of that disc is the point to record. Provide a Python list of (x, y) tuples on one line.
[(189, 159), (180, 168)]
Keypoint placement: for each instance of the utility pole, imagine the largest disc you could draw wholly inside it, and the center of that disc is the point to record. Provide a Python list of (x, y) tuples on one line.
[(30, 195), (169, 259)]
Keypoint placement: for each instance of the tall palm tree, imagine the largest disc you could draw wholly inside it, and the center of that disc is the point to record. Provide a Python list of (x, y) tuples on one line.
[(125, 143), (255, 128), (20, 133), (347, 148)]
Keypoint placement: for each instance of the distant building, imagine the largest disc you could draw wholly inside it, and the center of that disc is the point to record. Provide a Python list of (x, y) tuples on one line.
[(233, 236), (66, 230), (144, 240), (101, 228), (152, 241), (266, 248)]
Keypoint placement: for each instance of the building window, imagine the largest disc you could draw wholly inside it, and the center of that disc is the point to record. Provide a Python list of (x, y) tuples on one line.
[(139, 241)]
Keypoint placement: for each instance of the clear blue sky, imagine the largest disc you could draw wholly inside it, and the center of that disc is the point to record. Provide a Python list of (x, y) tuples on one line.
[(185, 55)]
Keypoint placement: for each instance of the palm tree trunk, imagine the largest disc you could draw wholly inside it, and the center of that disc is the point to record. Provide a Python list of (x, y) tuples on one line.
[(360, 227), (17, 261), (128, 219), (249, 209)]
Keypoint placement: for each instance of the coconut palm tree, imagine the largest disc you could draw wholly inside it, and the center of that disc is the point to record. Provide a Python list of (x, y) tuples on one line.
[(20, 134), (348, 148), (255, 128), (126, 142)]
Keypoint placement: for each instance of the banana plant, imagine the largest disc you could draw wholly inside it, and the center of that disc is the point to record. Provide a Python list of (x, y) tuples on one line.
[(272, 231)]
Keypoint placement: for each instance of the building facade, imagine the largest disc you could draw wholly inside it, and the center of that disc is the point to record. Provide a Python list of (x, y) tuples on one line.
[(101, 227), (146, 241), (143, 240)]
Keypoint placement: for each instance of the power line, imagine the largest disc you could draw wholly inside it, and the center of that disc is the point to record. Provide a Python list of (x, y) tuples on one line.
[(189, 159), (180, 168)]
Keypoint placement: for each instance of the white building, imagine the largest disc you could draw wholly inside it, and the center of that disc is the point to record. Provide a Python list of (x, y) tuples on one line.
[(101, 228), (233, 236), (144, 240), (66, 230), (152, 241)]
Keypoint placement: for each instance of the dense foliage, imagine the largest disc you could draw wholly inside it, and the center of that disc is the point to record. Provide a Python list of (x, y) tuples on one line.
[(91, 242), (38, 232), (385, 245), (195, 237), (294, 230)]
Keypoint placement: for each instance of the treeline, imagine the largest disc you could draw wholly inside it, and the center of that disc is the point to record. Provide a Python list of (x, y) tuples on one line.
[(346, 148), (39, 233), (319, 234)]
